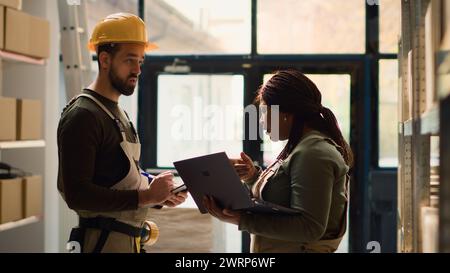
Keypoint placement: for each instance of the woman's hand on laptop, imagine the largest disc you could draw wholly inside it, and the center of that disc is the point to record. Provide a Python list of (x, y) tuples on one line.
[(225, 215), (244, 167)]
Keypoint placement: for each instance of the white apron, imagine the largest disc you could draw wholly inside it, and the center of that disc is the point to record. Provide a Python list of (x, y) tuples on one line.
[(134, 180)]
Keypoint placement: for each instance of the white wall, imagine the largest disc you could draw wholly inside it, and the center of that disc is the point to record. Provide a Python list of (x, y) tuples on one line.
[(52, 112)]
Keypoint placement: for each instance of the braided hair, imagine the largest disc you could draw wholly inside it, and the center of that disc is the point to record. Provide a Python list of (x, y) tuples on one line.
[(296, 94)]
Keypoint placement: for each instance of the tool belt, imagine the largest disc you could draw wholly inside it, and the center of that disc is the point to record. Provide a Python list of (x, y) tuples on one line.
[(106, 225)]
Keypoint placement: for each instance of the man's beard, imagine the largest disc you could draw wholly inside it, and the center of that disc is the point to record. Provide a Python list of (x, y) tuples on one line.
[(122, 85)]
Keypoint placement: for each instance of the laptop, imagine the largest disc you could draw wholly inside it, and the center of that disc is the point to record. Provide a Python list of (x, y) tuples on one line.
[(214, 175)]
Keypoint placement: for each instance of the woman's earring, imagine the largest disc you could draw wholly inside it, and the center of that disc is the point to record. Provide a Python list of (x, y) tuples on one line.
[(285, 119)]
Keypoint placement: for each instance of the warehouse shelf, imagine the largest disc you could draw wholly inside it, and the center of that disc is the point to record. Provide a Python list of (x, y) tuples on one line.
[(408, 127), (18, 58), (429, 122), (20, 223), (22, 144)]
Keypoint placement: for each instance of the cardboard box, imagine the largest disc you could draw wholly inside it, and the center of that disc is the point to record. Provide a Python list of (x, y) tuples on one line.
[(15, 4), (10, 200), (26, 34), (32, 196), (29, 119), (8, 117)]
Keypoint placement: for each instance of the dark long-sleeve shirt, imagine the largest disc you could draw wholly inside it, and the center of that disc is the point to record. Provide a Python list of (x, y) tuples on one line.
[(91, 159)]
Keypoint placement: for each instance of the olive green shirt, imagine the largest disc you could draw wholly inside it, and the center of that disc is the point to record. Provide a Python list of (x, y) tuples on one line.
[(313, 181)]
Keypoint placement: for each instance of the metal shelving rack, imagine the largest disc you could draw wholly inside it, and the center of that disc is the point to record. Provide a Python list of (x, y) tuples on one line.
[(10, 57), (419, 181)]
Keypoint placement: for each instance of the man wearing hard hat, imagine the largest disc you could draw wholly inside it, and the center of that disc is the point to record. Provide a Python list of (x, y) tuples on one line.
[(99, 150)]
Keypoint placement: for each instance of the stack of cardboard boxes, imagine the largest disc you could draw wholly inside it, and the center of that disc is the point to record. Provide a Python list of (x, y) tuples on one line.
[(28, 35), (20, 198), (10, 200), (21, 119), (23, 33)]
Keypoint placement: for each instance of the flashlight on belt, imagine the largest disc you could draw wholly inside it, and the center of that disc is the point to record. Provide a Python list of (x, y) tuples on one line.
[(149, 233)]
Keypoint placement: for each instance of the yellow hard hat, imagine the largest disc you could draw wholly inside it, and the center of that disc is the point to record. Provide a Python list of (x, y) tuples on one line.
[(120, 28)]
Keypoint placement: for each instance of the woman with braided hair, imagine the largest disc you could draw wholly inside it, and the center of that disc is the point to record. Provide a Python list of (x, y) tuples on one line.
[(310, 174)]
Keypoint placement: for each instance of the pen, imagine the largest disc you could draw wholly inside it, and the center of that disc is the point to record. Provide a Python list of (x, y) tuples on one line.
[(149, 176)]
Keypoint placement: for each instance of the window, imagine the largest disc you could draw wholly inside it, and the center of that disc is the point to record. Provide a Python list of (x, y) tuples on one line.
[(311, 26), (388, 114), (335, 91), (390, 14), (99, 9), (390, 26), (198, 115), (199, 26)]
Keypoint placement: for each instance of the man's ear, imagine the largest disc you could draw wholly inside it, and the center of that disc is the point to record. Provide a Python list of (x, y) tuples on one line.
[(105, 60)]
